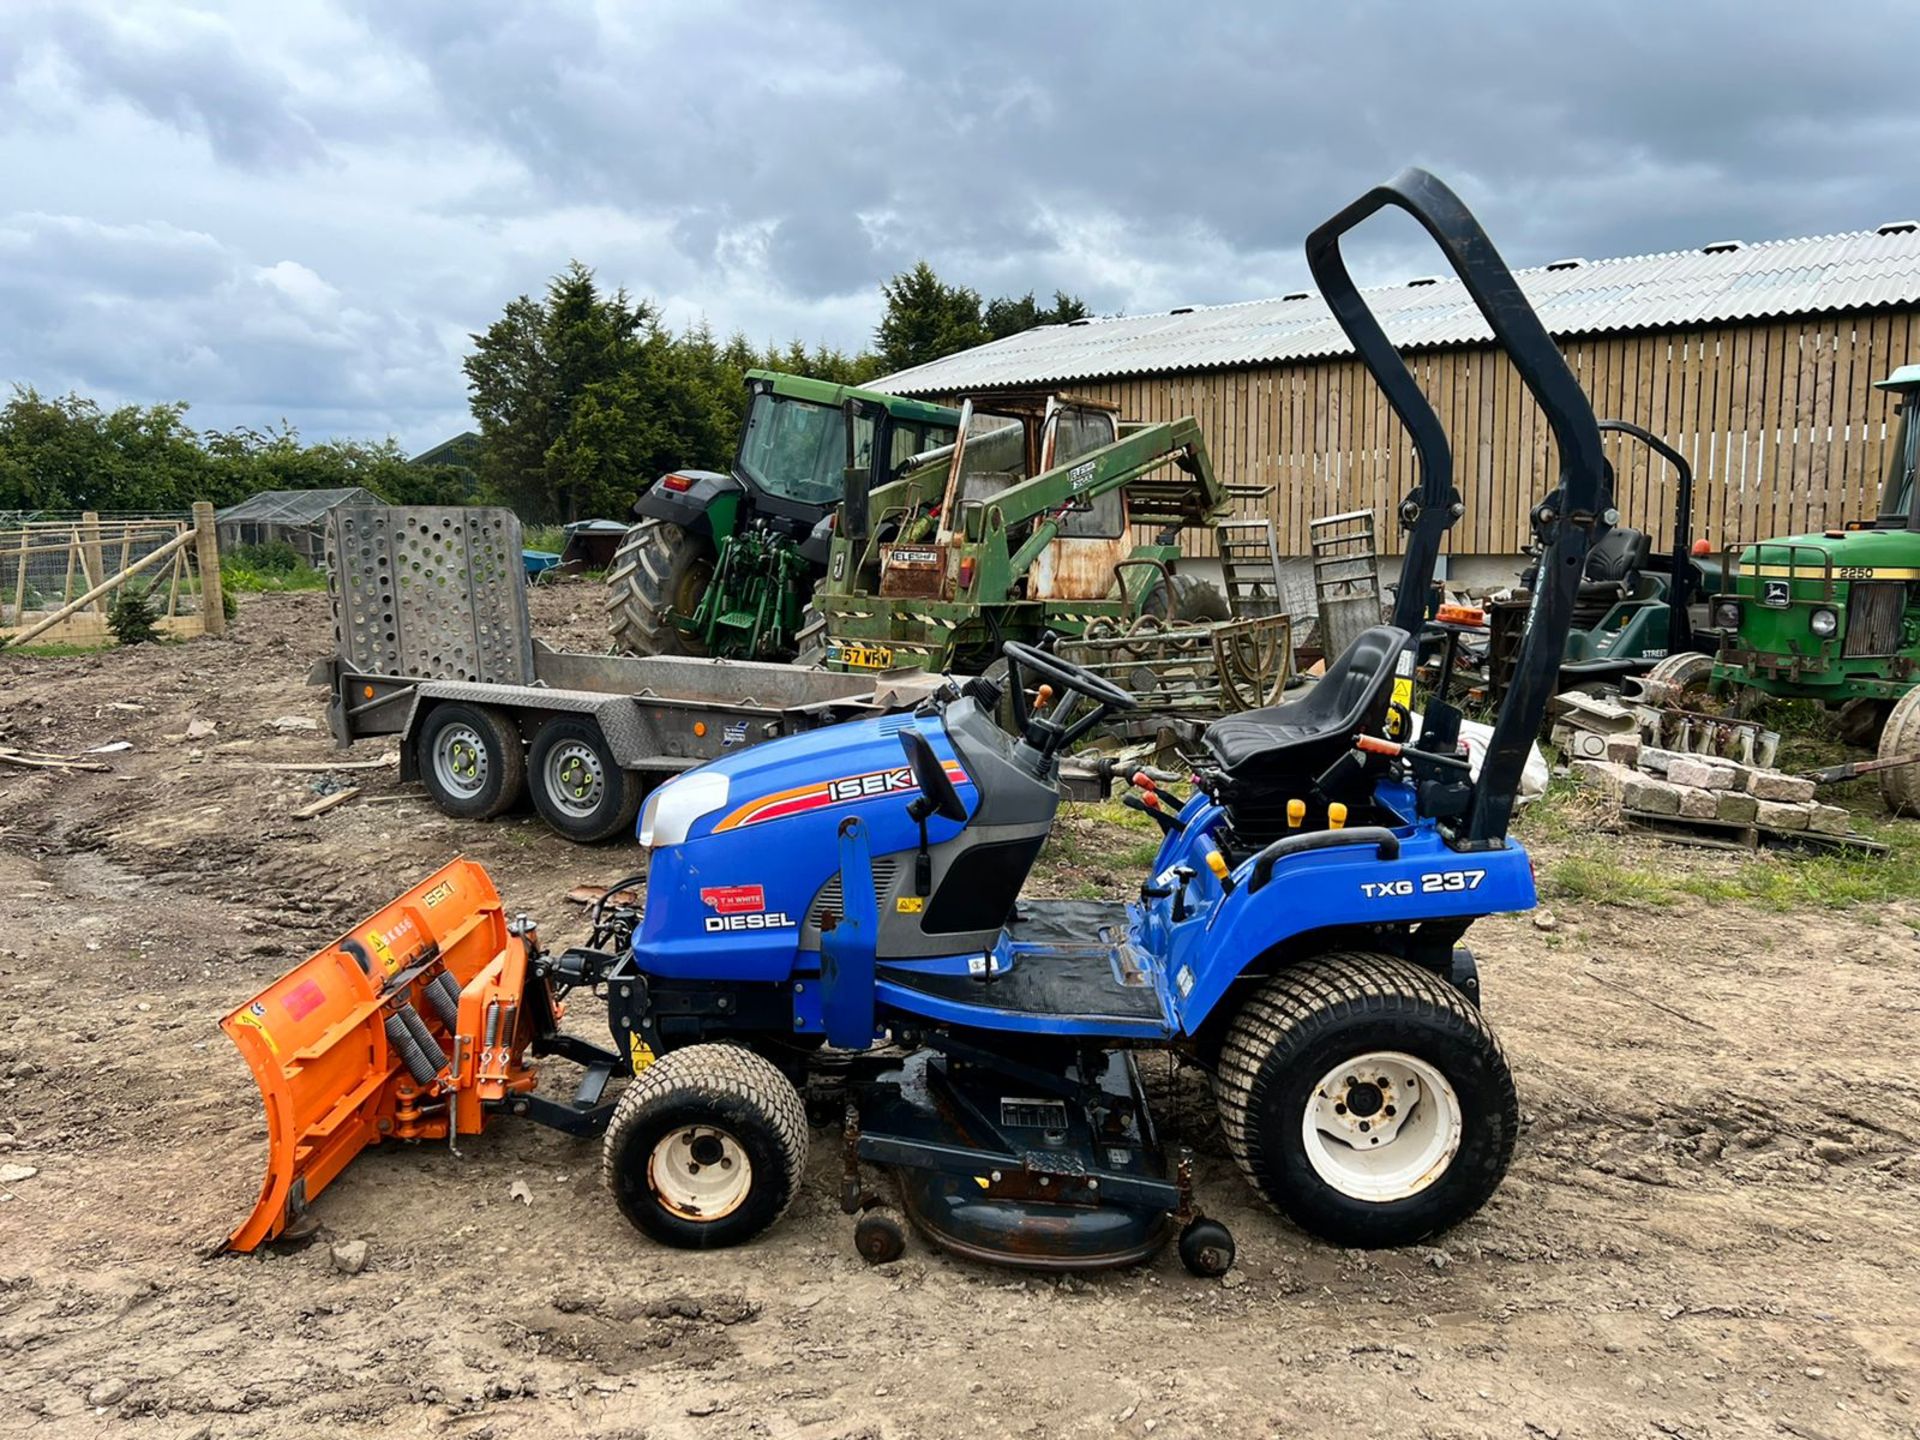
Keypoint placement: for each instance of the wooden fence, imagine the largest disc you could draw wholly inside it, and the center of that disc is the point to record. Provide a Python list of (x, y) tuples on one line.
[(1780, 421), (59, 578)]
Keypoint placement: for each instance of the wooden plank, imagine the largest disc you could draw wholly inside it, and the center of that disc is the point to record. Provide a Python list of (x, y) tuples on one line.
[(326, 803)]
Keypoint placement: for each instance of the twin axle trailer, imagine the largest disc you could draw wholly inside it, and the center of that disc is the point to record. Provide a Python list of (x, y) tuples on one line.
[(432, 643)]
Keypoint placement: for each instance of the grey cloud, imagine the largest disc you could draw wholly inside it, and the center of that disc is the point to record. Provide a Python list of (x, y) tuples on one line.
[(768, 166)]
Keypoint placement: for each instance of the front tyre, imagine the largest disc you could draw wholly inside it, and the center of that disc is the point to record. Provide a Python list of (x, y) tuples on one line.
[(1366, 1100), (706, 1147), (1900, 786)]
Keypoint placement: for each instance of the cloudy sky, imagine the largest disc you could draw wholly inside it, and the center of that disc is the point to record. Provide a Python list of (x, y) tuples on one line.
[(300, 209)]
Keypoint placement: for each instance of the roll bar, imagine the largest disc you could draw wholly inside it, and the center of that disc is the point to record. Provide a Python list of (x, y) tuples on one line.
[(1563, 525), (1680, 583)]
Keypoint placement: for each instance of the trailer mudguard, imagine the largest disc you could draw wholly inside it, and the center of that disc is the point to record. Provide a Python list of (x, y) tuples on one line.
[(372, 1038)]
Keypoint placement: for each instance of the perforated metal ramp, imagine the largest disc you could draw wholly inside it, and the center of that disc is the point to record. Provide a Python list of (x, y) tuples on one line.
[(430, 591)]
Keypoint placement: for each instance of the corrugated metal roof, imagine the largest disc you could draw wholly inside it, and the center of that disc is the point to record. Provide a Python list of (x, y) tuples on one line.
[(1679, 290), (295, 507)]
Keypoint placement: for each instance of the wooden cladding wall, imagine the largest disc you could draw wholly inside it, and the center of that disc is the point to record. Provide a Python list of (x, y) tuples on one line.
[(1780, 421)]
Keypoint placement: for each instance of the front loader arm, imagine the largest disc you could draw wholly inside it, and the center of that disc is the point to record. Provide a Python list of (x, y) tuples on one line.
[(1192, 496)]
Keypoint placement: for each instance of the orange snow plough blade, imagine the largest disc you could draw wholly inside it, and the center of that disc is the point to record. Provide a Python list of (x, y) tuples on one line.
[(403, 1028)]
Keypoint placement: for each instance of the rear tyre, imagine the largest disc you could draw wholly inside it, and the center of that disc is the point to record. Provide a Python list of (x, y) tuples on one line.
[(659, 571), (706, 1147), (1901, 788), (578, 787), (471, 760), (1366, 1100), (1185, 599)]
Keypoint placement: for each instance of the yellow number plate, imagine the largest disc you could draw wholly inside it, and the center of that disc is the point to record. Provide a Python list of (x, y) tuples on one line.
[(863, 657)]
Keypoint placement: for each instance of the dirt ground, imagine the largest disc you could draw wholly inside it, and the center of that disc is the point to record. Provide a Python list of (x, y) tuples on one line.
[(1708, 1230)]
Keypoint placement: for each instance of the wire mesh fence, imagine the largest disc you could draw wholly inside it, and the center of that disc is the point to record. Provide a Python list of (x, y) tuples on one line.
[(60, 575)]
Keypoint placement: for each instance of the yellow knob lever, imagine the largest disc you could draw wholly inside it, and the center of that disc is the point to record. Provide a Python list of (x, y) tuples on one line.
[(1336, 815), (1217, 863), (1296, 813)]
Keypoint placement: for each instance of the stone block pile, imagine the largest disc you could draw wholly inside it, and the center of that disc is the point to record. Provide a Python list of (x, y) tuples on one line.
[(1704, 787)]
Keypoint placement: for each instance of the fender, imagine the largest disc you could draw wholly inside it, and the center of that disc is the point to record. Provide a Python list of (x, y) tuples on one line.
[(1331, 888), (687, 508)]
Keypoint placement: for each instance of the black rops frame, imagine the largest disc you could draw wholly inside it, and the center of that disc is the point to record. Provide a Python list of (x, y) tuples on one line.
[(1684, 576), (1563, 525)]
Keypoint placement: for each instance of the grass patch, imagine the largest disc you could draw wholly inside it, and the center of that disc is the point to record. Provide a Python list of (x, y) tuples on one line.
[(544, 537), (54, 652)]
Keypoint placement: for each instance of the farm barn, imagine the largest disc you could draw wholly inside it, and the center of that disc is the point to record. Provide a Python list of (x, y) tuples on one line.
[(1757, 361)]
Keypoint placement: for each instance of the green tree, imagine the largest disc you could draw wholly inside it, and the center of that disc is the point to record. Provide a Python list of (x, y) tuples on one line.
[(1009, 316), (926, 318)]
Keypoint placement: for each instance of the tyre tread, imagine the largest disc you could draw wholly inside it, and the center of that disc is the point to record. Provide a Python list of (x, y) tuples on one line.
[(714, 1073)]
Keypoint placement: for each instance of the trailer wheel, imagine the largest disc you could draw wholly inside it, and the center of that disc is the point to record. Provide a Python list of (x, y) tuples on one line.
[(706, 1147), (1900, 788), (471, 760), (659, 571), (578, 787), (1366, 1100)]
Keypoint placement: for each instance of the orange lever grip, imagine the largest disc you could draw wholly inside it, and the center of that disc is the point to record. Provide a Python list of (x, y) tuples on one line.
[(1041, 697), (1142, 780), (1373, 745)]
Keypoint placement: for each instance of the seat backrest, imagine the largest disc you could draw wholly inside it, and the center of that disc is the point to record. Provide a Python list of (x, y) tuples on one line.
[(1354, 688), (1621, 552)]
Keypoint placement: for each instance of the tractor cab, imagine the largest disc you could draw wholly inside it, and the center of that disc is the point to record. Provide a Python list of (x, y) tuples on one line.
[(722, 563), (1899, 499)]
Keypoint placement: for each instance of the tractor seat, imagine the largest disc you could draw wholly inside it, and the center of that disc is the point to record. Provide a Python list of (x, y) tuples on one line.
[(1619, 557), (1304, 736)]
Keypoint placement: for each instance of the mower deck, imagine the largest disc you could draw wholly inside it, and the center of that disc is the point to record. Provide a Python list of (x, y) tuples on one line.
[(1016, 1168), (1067, 963)]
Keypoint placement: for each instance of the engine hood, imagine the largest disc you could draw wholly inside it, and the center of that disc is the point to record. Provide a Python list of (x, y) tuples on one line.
[(728, 889), (1855, 554)]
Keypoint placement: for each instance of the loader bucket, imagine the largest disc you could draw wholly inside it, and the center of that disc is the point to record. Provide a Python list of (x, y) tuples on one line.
[(326, 1049)]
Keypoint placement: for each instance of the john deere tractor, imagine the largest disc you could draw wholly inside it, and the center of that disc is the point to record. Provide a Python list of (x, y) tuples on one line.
[(720, 563), (1835, 616)]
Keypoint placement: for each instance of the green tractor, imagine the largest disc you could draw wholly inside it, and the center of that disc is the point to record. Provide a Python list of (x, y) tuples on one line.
[(1024, 527), (722, 564), (1835, 617)]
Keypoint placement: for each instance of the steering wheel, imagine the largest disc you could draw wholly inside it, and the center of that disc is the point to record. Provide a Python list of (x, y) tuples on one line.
[(1065, 674)]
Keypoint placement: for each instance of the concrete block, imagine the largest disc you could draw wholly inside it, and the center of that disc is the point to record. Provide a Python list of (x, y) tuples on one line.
[(1623, 749), (1602, 775), (1733, 807), (1829, 819), (1778, 815), (1643, 792), (1700, 771), (1700, 804), (1655, 761), (1777, 786)]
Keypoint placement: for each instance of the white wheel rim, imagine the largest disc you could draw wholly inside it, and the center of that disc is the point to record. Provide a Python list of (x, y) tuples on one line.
[(460, 759), (1382, 1126), (699, 1173)]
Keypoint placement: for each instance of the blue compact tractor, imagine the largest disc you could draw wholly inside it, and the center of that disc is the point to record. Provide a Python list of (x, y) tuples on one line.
[(835, 922)]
